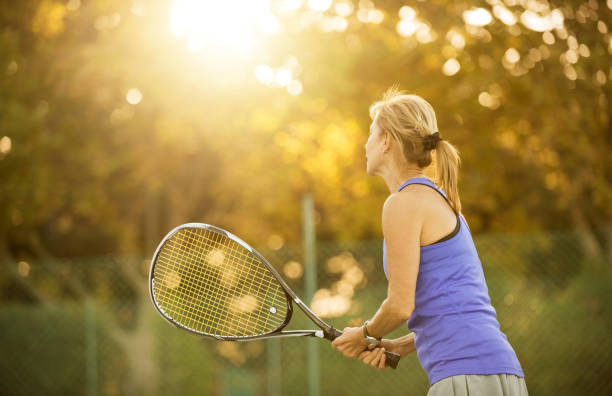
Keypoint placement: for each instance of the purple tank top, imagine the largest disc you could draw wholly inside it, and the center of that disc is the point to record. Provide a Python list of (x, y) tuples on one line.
[(455, 326)]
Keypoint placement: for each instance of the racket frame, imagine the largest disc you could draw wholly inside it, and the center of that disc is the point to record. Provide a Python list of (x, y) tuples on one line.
[(328, 332)]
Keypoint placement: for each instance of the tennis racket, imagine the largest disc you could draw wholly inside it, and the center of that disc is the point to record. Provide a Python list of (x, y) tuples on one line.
[(208, 281)]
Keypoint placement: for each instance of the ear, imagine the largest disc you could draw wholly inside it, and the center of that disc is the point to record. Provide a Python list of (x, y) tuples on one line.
[(387, 142)]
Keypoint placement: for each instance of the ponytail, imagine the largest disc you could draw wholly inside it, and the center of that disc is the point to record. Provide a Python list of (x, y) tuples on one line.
[(447, 172), (411, 120)]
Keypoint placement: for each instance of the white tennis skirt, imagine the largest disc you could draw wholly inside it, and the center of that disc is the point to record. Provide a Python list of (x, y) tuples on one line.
[(480, 385)]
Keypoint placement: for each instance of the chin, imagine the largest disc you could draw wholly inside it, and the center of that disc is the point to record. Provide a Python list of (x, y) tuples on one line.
[(370, 169)]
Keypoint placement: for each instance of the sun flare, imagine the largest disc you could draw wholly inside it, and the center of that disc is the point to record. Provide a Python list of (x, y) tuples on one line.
[(230, 25)]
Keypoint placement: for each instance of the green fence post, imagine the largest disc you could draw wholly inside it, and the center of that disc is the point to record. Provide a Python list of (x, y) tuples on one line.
[(274, 367), (91, 358), (310, 286)]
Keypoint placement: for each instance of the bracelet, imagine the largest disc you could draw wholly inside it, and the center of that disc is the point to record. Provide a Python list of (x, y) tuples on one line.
[(369, 339)]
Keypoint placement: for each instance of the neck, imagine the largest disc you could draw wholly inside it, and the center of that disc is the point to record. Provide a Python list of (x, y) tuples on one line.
[(395, 177)]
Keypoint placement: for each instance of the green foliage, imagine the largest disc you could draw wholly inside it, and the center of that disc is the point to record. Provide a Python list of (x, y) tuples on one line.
[(184, 362), (45, 351), (89, 173), (561, 330)]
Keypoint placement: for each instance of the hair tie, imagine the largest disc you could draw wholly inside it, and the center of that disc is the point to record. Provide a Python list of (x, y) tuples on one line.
[(431, 141)]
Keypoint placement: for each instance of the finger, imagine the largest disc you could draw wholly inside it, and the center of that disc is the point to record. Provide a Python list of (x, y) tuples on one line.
[(379, 355), (371, 358), (375, 360), (383, 359), (338, 342), (367, 359), (348, 352), (342, 349), (365, 353)]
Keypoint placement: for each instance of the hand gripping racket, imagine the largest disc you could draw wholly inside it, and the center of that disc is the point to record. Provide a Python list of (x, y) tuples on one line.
[(209, 282)]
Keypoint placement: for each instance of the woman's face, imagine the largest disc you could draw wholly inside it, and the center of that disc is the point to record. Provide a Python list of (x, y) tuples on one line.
[(374, 148)]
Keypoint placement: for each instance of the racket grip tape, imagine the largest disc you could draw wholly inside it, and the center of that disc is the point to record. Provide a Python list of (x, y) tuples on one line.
[(332, 334), (391, 359)]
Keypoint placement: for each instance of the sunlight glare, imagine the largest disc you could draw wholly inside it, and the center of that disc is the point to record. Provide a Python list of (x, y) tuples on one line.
[(264, 74), (319, 5), (269, 24), (244, 304), (542, 23), (290, 5), (477, 17), (283, 76), (487, 100), (293, 270), (376, 16), (172, 280), (23, 268), (221, 24), (504, 15), (343, 8), (407, 27), (133, 96), (451, 67), (548, 38), (328, 305), (407, 12), (5, 145), (456, 39), (294, 88), (512, 55), (424, 34)]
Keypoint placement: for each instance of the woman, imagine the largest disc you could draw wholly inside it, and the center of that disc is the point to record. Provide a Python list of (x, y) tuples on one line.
[(435, 277)]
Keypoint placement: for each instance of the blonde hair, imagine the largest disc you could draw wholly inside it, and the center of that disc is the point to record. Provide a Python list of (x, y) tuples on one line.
[(410, 119)]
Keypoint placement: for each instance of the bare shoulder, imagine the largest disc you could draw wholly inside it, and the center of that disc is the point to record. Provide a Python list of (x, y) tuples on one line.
[(406, 203), (413, 195), (402, 220)]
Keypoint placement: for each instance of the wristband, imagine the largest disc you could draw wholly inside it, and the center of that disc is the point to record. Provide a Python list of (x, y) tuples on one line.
[(370, 339)]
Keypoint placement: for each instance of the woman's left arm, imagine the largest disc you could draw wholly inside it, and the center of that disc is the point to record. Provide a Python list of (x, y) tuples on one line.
[(402, 221)]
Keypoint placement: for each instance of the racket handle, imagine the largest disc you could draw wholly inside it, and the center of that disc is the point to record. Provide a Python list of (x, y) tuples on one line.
[(332, 334), (391, 359)]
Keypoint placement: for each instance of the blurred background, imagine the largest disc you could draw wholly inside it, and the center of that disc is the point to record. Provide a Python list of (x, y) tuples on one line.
[(121, 119)]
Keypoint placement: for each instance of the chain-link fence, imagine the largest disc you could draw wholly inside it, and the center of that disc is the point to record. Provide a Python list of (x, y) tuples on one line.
[(87, 327)]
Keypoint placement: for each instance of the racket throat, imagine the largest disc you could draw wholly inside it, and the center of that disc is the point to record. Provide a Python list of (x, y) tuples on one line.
[(328, 332)]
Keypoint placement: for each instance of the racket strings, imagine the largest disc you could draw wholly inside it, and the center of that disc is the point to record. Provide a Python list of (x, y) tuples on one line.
[(213, 314), (216, 298), (209, 283)]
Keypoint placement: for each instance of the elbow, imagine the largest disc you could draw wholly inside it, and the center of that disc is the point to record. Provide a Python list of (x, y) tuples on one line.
[(406, 313), (402, 311)]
